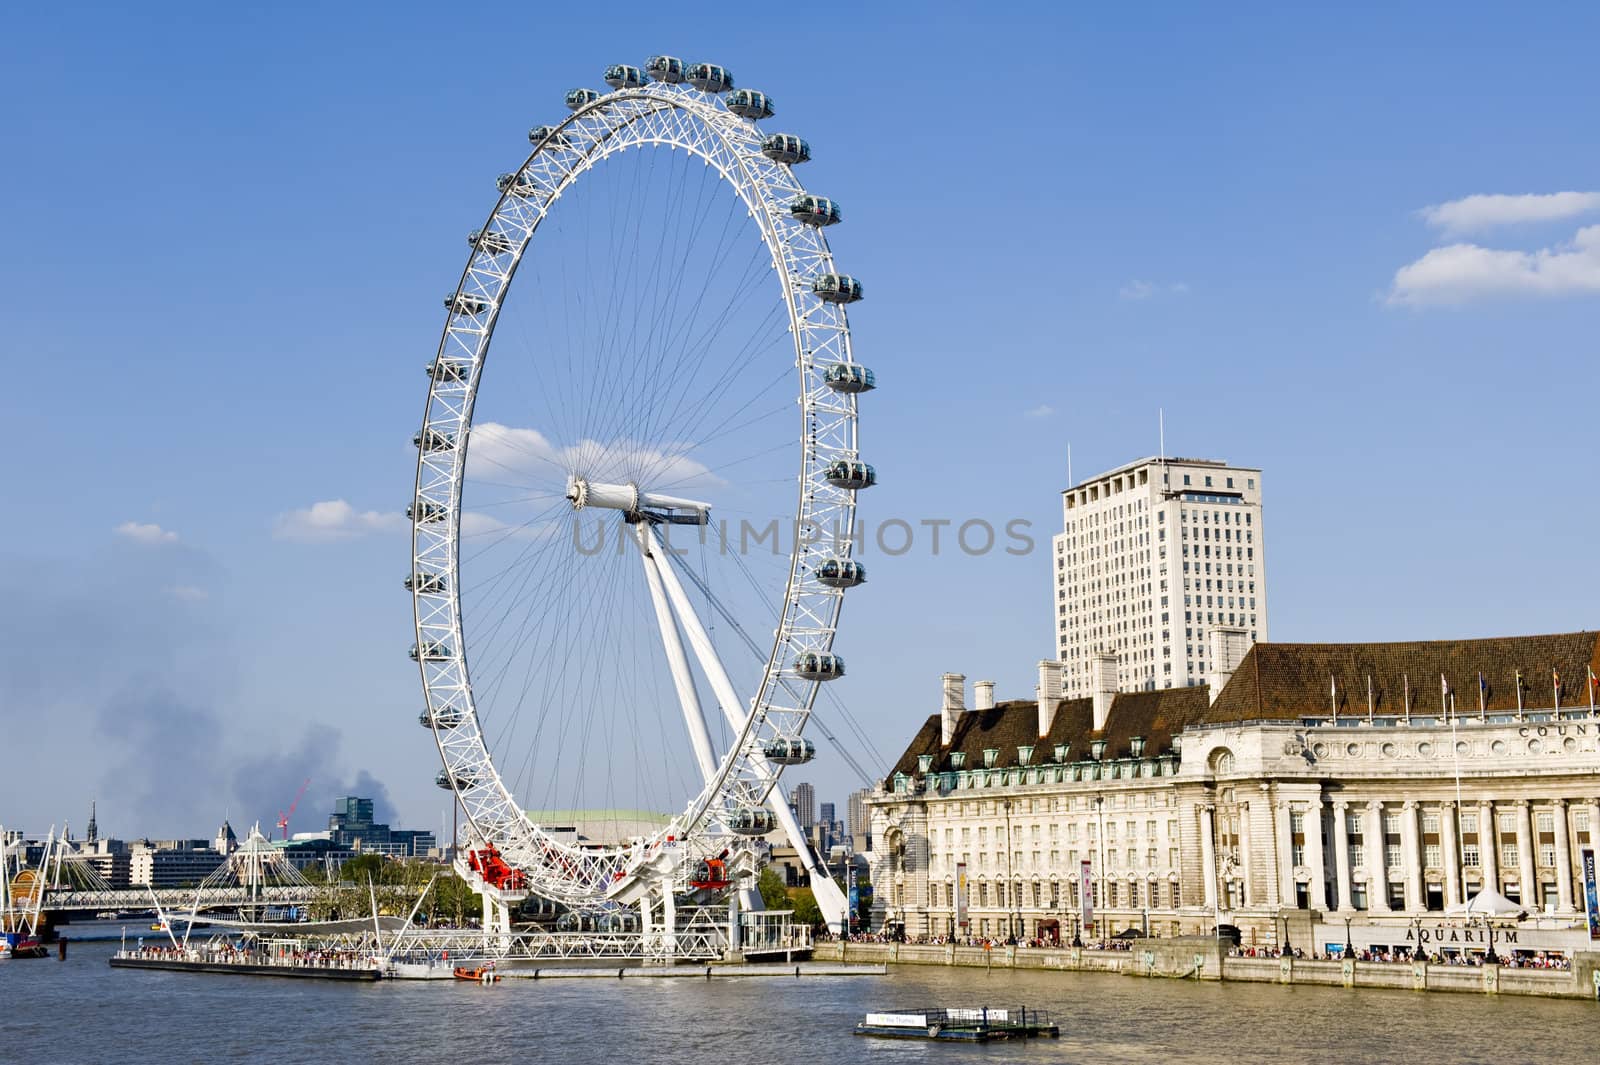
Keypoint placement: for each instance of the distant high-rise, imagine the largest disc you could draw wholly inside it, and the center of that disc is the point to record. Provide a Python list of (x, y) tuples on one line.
[(1151, 558), (804, 800), (825, 813), (856, 812)]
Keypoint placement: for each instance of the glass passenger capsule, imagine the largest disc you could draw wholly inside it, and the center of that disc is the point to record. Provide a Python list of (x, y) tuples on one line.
[(424, 511), (515, 184), (747, 103), (449, 369), (752, 821), (813, 665), (836, 288), (849, 377), (427, 583), (841, 573), (578, 99), (432, 651), (622, 76), (708, 77), (850, 474), (493, 243), (464, 305), (665, 68), (444, 717), (462, 781), (814, 210), (548, 135), (433, 440), (789, 752), (785, 148)]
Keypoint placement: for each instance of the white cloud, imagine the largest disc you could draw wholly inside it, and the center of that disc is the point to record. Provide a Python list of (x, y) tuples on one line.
[(1043, 410), (1485, 211), (188, 593), (334, 519), (1143, 290), (143, 533), (1459, 273), (497, 450)]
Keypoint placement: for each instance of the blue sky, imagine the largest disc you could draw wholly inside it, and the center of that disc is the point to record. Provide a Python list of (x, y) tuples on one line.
[(228, 233)]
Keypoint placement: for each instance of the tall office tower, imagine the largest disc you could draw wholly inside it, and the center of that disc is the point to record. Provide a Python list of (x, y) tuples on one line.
[(857, 814), (825, 814), (1152, 557), (804, 800)]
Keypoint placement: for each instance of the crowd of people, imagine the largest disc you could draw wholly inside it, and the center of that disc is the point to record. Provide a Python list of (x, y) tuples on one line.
[(1516, 960), (227, 953)]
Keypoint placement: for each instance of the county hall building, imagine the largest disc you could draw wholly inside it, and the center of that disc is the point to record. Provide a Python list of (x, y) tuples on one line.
[(1319, 791)]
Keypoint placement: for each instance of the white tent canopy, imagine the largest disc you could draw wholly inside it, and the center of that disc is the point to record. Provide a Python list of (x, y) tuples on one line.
[(1488, 903)]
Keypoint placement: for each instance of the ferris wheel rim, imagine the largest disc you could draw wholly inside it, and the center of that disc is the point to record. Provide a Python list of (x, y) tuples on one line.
[(659, 100)]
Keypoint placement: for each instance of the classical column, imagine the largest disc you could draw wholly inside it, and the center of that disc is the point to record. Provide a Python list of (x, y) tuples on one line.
[(1246, 854), (1208, 855), (1341, 852), (1488, 846), (1563, 858), (1285, 892), (1377, 872), (1411, 856), (1451, 845), (1528, 878), (1314, 862)]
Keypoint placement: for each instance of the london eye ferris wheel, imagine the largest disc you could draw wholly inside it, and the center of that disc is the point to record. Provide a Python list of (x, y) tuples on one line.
[(632, 531)]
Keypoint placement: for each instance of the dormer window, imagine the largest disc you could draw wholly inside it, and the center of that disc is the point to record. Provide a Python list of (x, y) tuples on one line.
[(991, 755), (1097, 749), (958, 759), (924, 763), (1024, 755), (1062, 750), (1136, 745), (1177, 745), (900, 783)]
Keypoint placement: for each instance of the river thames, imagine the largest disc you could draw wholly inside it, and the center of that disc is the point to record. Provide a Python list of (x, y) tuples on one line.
[(82, 1011)]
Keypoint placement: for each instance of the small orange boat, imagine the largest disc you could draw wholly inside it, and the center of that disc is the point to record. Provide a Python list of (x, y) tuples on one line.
[(483, 974)]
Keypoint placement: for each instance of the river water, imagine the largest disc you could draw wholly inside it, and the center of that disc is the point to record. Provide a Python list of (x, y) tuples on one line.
[(82, 1011)]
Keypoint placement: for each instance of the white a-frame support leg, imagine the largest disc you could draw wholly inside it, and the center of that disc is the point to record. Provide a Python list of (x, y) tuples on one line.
[(699, 736), (830, 899)]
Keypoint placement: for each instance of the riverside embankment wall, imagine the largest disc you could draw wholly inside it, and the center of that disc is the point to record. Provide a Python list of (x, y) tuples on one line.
[(1201, 958)]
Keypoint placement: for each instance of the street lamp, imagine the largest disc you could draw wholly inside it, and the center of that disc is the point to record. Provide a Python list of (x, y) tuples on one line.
[(1349, 948), (1284, 950), (1490, 957), (1416, 937)]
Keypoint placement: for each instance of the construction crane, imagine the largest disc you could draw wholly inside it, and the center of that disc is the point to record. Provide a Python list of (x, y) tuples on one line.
[(283, 818)]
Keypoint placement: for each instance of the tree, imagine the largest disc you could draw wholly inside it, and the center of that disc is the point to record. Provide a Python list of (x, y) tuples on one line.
[(863, 902), (806, 910), (361, 867), (773, 892)]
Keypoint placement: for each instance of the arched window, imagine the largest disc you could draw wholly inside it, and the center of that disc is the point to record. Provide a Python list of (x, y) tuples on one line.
[(1221, 762)]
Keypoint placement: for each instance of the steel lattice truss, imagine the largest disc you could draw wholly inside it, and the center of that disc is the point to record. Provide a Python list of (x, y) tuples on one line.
[(631, 118)]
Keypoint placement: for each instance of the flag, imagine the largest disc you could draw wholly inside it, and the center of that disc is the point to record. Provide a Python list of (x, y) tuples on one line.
[(1594, 683), (1333, 694), (1555, 686), (1519, 693), (1444, 694), (1483, 695)]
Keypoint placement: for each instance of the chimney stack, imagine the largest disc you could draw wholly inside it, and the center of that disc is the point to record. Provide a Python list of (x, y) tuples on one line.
[(983, 695), (1104, 674), (1049, 693), (955, 698), (1227, 650)]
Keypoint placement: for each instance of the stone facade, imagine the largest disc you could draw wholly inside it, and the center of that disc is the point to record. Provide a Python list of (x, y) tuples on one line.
[(1273, 803)]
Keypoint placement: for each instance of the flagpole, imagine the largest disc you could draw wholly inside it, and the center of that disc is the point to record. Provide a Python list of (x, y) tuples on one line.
[(1369, 698), (1406, 680), (1591, 689), (1555, 690), (1444, 696), (1519, 695), (1483, 692), (1333, 695)]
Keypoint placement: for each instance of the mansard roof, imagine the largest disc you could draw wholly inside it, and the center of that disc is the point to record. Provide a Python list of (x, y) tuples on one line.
[(1291, 680), (1281, 681)]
